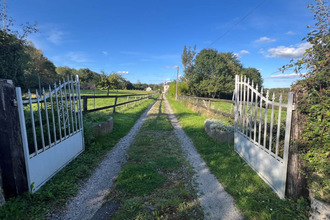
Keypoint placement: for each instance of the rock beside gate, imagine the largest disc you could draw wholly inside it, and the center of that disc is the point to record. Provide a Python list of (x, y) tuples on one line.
[(219, 131), (319, 210), (103, 128)]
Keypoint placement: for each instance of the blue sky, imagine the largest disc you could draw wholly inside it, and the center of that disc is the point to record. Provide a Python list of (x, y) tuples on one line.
[(139, 38)]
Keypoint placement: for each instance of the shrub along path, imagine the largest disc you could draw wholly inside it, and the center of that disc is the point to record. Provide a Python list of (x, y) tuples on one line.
[(163, 177)]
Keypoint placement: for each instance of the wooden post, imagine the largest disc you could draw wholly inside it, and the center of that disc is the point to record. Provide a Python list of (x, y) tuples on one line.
[(84, 104), (296, 185), (114, 106), (12, 162), (127, 101)]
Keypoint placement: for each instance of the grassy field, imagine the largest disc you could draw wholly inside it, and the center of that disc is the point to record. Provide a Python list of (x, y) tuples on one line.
[(54, 194), (230, 109), (102, 102), (155, 183), (252, 196)]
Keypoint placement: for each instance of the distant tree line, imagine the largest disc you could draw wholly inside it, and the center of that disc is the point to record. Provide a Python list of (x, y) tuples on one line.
[(21, 62), (212, 74)]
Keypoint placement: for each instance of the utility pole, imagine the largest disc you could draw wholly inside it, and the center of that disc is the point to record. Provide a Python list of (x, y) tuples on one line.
[(177, 78)]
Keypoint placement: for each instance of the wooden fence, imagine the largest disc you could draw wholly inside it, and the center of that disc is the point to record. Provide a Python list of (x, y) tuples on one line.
[(135, 98), (205, 103)]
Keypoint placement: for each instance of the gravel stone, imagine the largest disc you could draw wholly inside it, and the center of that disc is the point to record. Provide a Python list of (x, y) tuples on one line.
[(215, 201)]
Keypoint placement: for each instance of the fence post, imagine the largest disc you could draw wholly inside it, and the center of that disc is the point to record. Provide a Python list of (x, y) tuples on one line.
[(296, 185), (12, 162), (114, 106), (84, 104), (127, 101)]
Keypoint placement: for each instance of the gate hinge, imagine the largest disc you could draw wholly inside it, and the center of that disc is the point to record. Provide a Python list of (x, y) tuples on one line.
[(15, 102), (294, 107)]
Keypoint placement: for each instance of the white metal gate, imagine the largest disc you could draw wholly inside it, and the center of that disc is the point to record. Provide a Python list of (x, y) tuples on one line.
[(52, 130), (260, 138)]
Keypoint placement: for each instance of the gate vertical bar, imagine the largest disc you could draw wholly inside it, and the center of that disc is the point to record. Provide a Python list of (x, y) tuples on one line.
[(260, 116), (287, 138), (255, 115), (271, 125), (74, 103), (278, 125), (33, 125), (62, 108), (53, 117), (47, 118), (58, 112), (67, 118), (24, 133), (266, 116), (70, 98), (40, 123)]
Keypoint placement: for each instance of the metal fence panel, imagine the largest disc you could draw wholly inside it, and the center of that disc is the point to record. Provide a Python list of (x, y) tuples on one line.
[(253, 133), (54, 142)]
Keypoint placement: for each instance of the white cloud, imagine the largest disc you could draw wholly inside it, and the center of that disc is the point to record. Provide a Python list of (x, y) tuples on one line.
[(290, 33), (122, 72), (286, 76), (55, 36), (244, 52), (170, 67), (105, 53), (78, 57), (264, 40), (289, 52), (241, 53)]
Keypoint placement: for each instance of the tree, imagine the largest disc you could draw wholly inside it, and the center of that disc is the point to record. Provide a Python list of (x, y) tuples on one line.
[(39, 69), (313, 101), (88, 76), (254, 75), (112, 81), (187, 57), (213, 73), (13, 58), (64, 72)]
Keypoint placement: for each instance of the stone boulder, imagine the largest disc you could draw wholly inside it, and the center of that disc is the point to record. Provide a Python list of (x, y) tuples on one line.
[(319, 210), (219, 131), (103, 128)]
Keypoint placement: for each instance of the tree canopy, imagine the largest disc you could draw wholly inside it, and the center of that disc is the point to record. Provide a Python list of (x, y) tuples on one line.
[(212, 74)]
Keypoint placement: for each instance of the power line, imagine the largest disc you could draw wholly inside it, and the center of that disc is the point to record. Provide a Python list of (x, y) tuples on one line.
[(242, 19)]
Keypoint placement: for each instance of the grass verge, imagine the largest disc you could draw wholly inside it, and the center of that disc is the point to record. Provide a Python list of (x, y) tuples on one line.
[(252, 196), (155, 183), (54, 194)]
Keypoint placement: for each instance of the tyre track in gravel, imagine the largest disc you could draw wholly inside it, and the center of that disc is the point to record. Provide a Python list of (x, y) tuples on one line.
[(215, 201)]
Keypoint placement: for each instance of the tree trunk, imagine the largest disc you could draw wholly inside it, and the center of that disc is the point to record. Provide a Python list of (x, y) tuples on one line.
[(296, 185), (12, 161)]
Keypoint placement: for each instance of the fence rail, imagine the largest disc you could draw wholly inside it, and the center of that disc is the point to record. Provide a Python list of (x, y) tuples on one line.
[(137, 98)]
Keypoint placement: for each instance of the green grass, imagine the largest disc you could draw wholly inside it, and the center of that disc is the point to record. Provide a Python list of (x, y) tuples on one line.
[(102, 102), (54, 194), (156, 181), (252, 196)]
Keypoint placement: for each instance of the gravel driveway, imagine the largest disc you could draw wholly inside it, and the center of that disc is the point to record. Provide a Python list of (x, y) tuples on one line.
[(215, 201)]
